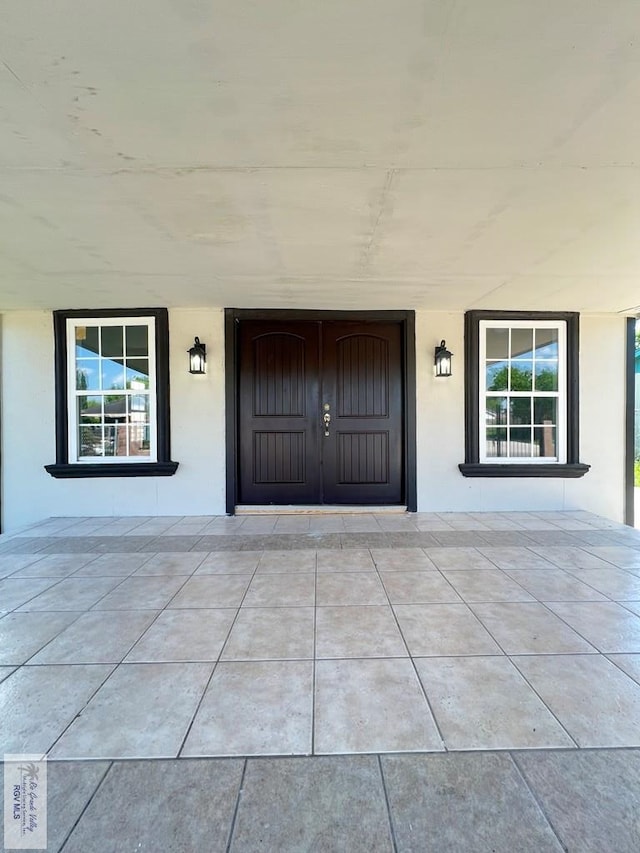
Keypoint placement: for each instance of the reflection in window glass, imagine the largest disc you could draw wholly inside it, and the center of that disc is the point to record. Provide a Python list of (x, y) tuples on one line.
[(522, 367), (497, 343), (113, 391)]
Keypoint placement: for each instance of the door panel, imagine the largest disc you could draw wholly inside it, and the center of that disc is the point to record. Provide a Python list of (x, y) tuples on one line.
[(289, 374), (278, 422), (362, 382)]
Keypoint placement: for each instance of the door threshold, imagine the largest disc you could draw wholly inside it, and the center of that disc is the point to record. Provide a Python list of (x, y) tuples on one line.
[(292, 509)]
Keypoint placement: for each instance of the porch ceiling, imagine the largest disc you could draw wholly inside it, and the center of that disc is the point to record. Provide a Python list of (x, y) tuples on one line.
[(441, 154)]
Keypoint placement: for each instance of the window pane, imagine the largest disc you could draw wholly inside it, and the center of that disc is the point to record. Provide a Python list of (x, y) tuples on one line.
[(496, 411), (112, 375), (112, 341), (496, 442), (139, 444), (546, 376), (520, 410), (89, 410), (521, 343), (521, 375), (119, 446), (115, 408), (137, 341), (545, 410), (137, 372), (86, 341), (520, 442), (546, 343), (497, 376), (497, 343), (90, 440), (138, 408), (545, 441), (88, 374)]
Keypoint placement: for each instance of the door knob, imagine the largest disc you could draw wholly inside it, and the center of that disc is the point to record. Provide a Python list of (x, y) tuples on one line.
[(327, 420)]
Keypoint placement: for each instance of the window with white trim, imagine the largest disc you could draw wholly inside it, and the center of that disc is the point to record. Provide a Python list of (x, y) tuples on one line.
[(522, 391), (522, 394), (111, 400), (112, 393)]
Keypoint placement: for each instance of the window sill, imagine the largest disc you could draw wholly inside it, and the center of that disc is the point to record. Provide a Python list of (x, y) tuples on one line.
[(115, 469), (569, 471)]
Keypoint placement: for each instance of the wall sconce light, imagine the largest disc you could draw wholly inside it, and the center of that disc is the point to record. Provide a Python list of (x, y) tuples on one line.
[(442, 360), (198, 357)]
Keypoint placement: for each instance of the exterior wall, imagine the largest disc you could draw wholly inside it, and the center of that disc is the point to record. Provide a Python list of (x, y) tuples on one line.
[(28, 436), (197, 425), (440, 428)]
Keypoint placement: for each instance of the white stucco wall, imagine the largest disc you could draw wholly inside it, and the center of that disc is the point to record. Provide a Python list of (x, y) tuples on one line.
[(198, 443), (440, 428), (28, 433)]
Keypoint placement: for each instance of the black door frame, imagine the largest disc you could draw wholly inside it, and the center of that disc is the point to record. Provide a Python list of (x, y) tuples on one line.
[(233, 318)]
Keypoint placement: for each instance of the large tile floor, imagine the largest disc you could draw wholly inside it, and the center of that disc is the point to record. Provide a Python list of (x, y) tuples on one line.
[(331, 635)]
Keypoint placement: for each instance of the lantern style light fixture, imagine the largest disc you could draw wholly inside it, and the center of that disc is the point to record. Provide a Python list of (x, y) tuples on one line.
[(198, 357), (442, 360)]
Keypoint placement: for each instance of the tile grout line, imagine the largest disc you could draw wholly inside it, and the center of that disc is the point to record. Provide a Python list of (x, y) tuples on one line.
[(86, 806), (413, 663), (392, 829), (537, 801), (216, 662), (234, 817), (314, 662)]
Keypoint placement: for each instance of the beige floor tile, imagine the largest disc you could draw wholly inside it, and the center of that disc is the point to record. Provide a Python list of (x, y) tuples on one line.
[(616, 583), (371, 706), (629, 664), (444, 629), (484, 703), (211, 591), (55, 566), (229, 563), (113, 565), (271, 633), (597, 703), (608, 626), (255, 708), (489, 585), (171, 564), (619, 555), (39, 702), (554, 585), (142, 710), (23, 634), (515, 558), (281, 591), (184, 635), (633, 606), (287, 562), (72, 594), (417, 587), (358, 632), (568, 557), (100, 636), (141, 594), (345, 560), (458, 558), (401, 559), (529, 628), (350, 588), (16, 591)]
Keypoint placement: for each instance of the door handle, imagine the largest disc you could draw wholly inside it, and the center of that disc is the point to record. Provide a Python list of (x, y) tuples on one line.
[(327, 420)]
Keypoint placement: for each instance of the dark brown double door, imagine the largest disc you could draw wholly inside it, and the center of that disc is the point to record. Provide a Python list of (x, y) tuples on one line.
[(320, 412)]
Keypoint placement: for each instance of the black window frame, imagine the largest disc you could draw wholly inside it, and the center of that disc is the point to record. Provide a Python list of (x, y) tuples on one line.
[(472, 467), (163, 466)]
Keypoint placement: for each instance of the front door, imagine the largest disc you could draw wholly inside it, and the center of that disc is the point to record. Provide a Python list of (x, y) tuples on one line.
[(320, 412)]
